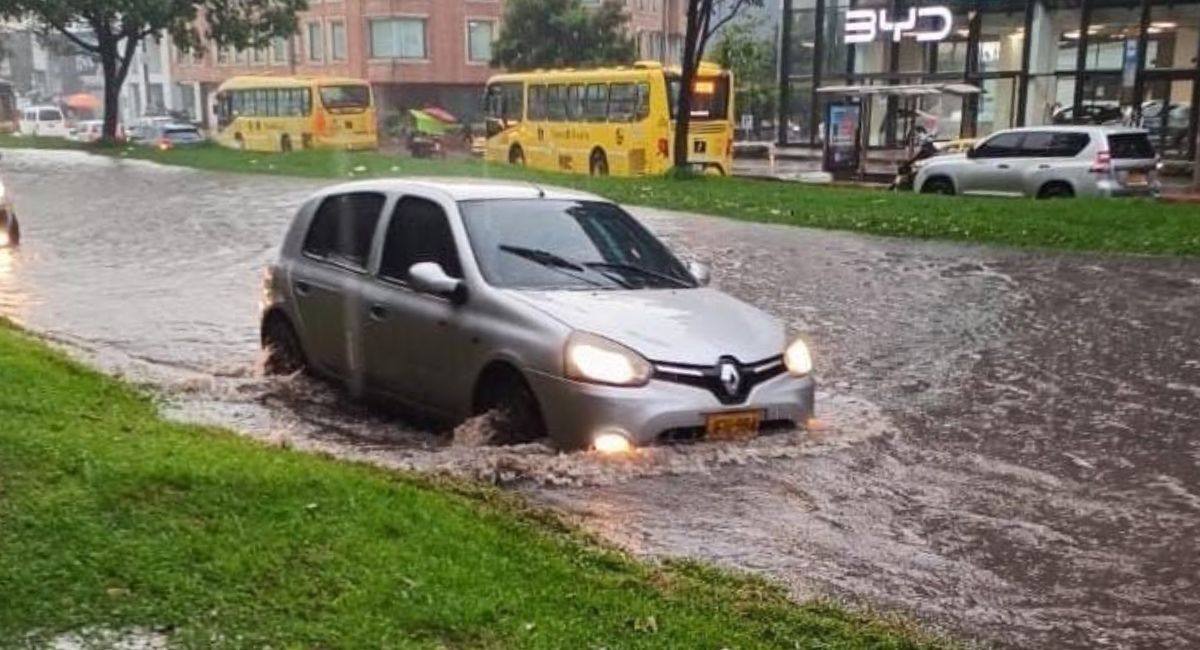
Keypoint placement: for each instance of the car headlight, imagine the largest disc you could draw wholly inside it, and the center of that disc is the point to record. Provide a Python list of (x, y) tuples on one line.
[(797, 359), (597, 359)]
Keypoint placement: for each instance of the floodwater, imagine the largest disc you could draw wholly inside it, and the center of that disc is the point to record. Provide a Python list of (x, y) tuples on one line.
[(1008, 443)]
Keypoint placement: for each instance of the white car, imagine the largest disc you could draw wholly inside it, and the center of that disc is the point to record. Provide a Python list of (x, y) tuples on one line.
[(1048, 162), (44, 121)]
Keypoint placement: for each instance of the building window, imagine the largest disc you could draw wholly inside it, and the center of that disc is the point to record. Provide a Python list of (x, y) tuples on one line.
[(337, 41), (316, 42), (398, 38), (258, 55), (279, 50), (479, 41), (222, 55)]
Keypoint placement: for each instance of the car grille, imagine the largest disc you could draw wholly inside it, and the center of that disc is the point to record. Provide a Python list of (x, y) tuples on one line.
[(718, 379)]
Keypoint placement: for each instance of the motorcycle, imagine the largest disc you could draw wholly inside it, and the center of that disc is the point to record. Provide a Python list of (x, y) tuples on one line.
[(906, 173)]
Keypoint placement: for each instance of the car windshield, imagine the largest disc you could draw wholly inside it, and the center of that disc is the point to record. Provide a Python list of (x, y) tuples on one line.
[(560, 244), (349, 96)]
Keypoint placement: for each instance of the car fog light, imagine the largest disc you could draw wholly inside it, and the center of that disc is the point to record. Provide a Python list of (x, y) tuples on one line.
[(797, 358), (610, 443)]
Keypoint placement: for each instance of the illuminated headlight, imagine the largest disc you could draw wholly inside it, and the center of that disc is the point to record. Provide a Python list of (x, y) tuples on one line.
[(611, 443), (599, 360), (797, 359)]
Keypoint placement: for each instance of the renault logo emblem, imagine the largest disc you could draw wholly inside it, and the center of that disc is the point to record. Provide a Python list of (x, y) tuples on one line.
[(731, 378)]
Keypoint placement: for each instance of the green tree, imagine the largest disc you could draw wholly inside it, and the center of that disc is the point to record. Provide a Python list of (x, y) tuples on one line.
[(704, 18), (742, 49), (112, 29), (561, 34)]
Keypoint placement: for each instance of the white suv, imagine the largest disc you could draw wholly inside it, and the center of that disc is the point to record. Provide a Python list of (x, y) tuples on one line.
[(1048, 162), (44, 121)]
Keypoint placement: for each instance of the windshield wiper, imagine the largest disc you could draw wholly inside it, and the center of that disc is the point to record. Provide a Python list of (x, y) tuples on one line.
[(543, 257), (551, 261), (641, 270)]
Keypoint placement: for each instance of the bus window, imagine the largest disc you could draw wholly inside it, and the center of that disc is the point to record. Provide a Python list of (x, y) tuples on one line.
[(355, 98), (622, 102), (595, 103), (537, 103), (575, 102), (643, 102), (556, 103)]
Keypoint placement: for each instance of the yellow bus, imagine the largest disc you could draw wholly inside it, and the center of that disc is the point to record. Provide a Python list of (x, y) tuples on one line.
[(264, 113), (616, 121)]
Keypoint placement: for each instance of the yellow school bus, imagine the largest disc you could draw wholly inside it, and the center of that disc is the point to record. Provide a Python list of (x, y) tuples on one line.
[(265, 113), (616, 121)]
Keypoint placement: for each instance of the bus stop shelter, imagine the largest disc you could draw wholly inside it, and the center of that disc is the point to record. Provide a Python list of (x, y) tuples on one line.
[(861, 96)]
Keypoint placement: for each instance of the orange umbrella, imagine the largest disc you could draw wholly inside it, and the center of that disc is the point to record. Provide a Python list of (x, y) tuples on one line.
[(82, 102)]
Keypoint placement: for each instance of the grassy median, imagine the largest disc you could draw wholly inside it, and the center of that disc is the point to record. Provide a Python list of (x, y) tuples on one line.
[(1130, 226), (112, 519)]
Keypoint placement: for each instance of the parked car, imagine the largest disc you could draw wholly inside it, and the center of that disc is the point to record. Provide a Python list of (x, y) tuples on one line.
[(91, 131), (1102, 113), (1048, 162), (145, 128), (553, 309), (170, 135), (43, 121), (1167, 123)]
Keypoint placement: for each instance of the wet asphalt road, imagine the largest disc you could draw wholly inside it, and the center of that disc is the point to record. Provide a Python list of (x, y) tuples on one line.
[(1008, 448)]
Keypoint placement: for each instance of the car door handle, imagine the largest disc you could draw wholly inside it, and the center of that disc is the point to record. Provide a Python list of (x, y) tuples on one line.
[(377, 313), (303, 288), (1001, 166), (1043, 166)]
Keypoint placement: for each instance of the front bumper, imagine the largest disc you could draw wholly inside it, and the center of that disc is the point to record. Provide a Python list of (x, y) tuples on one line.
[(575, 411)]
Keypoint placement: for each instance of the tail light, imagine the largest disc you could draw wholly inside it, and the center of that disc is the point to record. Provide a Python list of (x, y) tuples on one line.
[(662, 147), (164, 144), (1102, 164)]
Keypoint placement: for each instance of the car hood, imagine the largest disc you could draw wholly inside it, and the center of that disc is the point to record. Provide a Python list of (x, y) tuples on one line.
[(686, 326)]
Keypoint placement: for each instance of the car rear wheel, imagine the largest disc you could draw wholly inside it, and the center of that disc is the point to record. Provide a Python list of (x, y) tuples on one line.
[(12, 229), (938, 185), (515, 414), (1056, 191), (284, 355)]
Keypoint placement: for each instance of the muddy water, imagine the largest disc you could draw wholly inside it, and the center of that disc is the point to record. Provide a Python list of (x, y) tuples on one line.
[(1008, 444)]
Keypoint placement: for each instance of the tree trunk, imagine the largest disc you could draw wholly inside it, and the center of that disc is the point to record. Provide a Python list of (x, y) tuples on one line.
[(1196, 168), (688, 62), (112, 99)]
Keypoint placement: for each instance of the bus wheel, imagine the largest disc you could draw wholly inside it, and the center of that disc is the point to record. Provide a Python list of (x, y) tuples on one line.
[(598, 165), (241, 142), (516, 156), (285, 144)]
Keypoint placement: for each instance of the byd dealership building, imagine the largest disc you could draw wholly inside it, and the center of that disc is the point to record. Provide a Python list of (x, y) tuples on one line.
[(1036, 62)]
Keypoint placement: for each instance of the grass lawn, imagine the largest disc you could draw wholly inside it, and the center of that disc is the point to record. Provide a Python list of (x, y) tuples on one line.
[(111, 518), (1131, 226)]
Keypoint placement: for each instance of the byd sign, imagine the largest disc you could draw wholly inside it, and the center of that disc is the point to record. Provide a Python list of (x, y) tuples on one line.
[(865, 25)]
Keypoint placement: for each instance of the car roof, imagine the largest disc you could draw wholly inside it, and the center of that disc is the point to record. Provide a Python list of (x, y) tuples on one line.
[(463, 189), (1078, 128)]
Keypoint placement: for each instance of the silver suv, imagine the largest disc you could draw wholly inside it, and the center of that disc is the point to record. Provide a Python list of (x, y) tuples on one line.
[(554, 310), (1048, 162)]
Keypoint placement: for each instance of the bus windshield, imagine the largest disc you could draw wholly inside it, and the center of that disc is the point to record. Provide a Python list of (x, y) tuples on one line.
[(350, 96), (710, 101)]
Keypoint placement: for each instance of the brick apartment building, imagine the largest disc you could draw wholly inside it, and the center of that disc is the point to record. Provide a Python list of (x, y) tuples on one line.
[(414, 52)]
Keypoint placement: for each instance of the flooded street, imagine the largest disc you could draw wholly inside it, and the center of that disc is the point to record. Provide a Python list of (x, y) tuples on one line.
[(1008, 444)]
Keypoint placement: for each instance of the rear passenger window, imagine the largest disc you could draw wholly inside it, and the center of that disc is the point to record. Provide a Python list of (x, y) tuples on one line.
[(342, 229), (622, 102), (419, 232), (1134, 146), (49, 115)]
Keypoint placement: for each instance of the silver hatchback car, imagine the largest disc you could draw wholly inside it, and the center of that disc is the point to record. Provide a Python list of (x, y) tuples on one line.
[(1048, 162), (554, 310)]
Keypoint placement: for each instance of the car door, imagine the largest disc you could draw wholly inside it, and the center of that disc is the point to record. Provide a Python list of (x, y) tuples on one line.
[(413, 342), (326, 278), (1053, 158), (992, 168)]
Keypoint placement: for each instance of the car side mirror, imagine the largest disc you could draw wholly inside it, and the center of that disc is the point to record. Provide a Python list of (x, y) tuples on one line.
[(700, 272), (429, 277), (972, 152)]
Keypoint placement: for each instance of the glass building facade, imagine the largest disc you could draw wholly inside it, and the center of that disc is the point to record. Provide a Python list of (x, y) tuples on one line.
[(1037, 62)]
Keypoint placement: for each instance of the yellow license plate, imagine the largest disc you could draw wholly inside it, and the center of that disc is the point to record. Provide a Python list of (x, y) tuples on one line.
[(737, 425), (1136, 178)]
